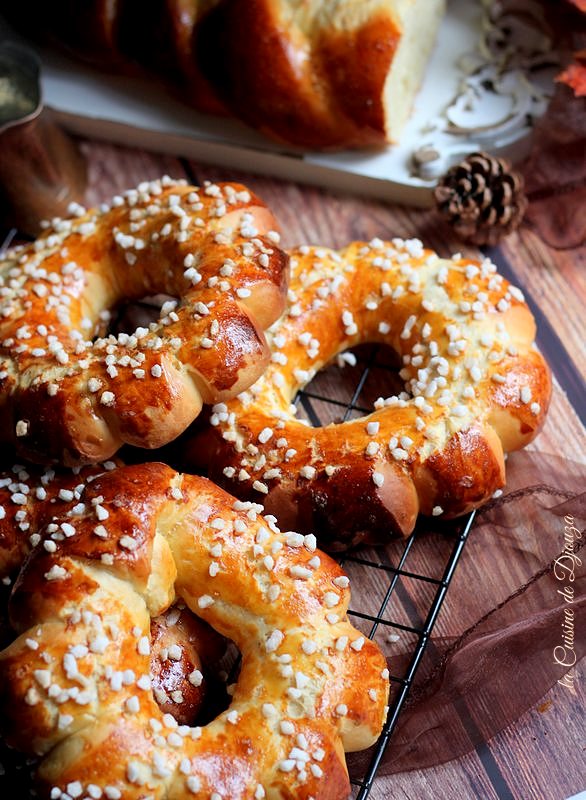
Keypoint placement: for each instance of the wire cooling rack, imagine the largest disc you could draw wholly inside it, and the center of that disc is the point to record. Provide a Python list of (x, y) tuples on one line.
[(397, 590), (374, 372), (404, 682)]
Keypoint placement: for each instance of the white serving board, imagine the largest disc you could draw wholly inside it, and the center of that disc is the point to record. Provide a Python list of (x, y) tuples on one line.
[(140, 113)]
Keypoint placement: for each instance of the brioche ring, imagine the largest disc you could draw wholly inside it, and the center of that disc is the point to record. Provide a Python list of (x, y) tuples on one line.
[(474, 387), (32, 498), (310, 685), (68, 399)]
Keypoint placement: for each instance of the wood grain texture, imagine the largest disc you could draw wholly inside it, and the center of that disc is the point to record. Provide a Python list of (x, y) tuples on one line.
[(557, 282), (540, 757), (563, 433)]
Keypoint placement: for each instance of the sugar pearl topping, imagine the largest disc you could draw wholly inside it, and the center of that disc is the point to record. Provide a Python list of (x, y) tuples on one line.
[(91, 658), (463, 335), (56, 295)]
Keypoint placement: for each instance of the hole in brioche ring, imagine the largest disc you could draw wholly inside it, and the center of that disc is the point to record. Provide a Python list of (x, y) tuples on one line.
[(310, 686), (473, 387), (185, 652), (75, 400), (339, 378), (182, 671), (129, 316)]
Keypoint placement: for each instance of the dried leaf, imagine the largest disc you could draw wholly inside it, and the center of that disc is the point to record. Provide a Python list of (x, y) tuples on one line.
[(575, 77), (580, 4), (555, 173)]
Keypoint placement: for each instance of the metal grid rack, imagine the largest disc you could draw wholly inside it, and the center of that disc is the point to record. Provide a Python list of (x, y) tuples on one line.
[(320, 408), (306, 402), (405, 681)]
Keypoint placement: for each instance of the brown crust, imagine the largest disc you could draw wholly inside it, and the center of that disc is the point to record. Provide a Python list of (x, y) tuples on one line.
[(303, 97), (510, 417), (457, 477), (75, 401), (130, 37), (349, 510), (312, 74), (478, 387), (30, 499), (83, 621), (360, 92), (160, 36), (88, 30)]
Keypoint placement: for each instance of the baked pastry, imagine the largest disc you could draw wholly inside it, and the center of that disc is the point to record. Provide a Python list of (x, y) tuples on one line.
[(186, 658), (184, 649), (475, 388), (341, 74), (29, 497), (69, 397), (310, 685), (319, 74)]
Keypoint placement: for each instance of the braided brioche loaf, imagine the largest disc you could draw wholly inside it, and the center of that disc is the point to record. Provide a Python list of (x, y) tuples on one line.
[(318, 73)]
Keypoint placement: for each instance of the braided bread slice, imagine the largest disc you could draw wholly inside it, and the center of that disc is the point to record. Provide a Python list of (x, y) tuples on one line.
[(342, 73), (315, 73), (67, 398), (310, 686), (475, 387)]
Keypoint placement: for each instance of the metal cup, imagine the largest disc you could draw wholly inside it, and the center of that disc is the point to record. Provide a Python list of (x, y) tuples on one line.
[(41, 169)]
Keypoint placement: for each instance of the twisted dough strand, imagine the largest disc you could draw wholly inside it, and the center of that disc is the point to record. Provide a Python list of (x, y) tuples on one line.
[(69, 398), (31, 499), (475, 388), (75, 683)]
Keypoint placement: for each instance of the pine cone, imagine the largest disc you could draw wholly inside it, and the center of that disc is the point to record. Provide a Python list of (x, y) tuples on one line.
[(482, 198)]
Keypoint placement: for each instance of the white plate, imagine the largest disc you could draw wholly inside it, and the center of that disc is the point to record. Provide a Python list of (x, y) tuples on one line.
[(137, 112)]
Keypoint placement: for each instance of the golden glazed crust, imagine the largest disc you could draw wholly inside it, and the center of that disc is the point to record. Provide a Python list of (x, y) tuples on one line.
[(476, 387), (310, 685), (314, 73), (66, 398), (29, 497), (31, 500), (333, 79), (127, 36), (162, 37), (325, 86)]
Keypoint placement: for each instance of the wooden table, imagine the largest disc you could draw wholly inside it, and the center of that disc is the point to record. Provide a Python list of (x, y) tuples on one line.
[(539, 757)]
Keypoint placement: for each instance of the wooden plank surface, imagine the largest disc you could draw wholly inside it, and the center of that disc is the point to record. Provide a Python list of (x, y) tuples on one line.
[(540, 757)]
